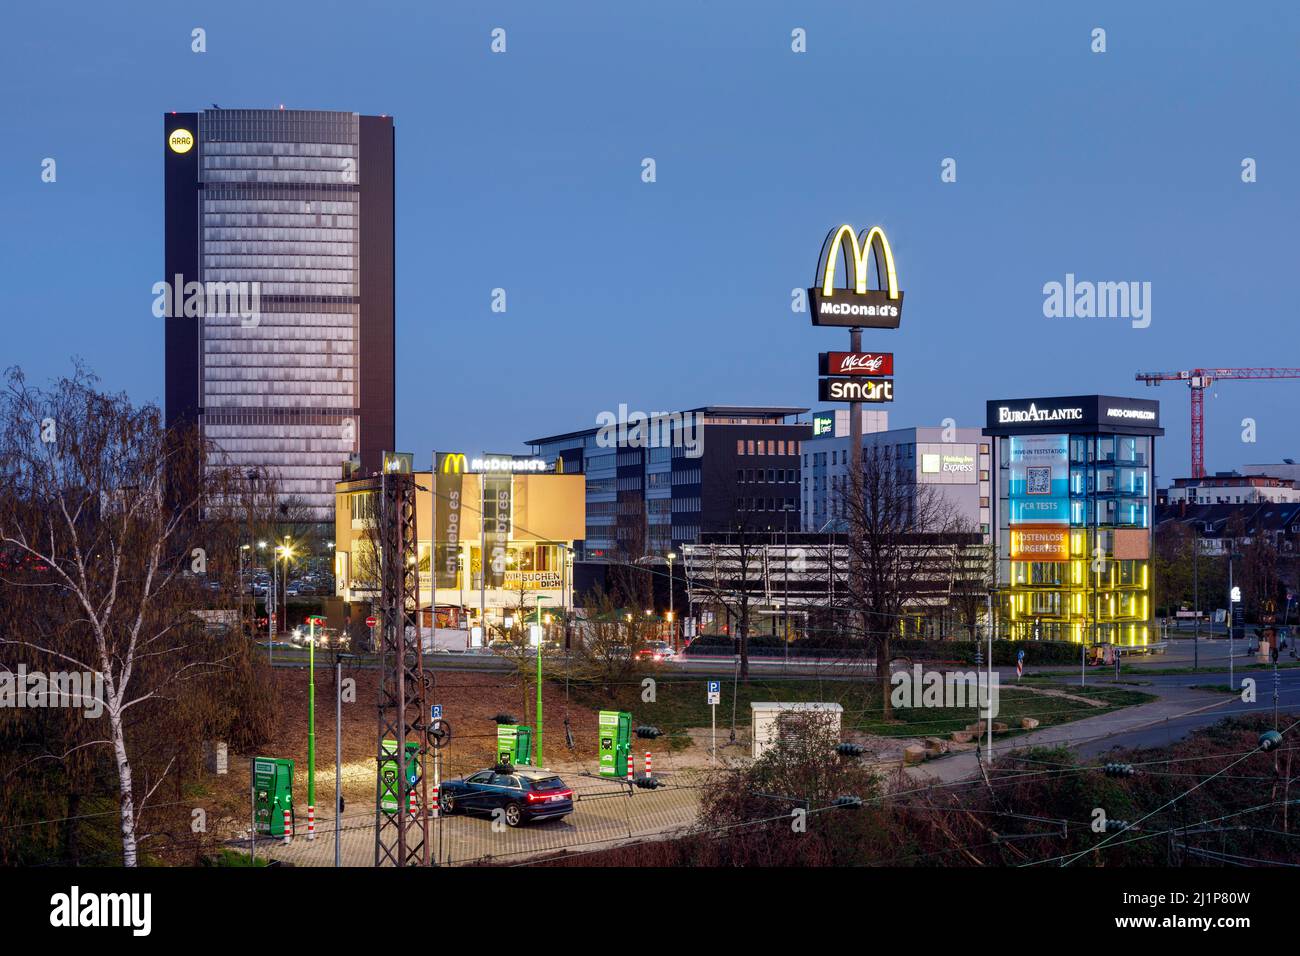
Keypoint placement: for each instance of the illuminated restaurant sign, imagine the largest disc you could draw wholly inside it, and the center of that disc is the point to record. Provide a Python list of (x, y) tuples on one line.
[(857, 306), (856, 363)]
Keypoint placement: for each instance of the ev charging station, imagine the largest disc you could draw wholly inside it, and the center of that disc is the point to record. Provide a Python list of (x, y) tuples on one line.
[(515, 744), (272, 794), (615, 742)]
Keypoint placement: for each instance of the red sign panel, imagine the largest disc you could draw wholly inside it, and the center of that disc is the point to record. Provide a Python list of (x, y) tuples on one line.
[(371, 621), (857, 363)]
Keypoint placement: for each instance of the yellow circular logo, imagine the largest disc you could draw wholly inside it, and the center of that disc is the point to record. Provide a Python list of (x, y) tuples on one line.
[(181, 141)]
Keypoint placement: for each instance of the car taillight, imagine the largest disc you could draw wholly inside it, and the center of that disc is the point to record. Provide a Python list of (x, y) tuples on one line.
[(535, 797)]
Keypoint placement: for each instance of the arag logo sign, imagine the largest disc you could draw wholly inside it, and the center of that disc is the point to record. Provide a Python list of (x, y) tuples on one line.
[(856, 305), (180, 141)]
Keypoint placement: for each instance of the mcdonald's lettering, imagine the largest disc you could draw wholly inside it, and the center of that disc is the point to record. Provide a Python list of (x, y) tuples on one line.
[(857, 306)]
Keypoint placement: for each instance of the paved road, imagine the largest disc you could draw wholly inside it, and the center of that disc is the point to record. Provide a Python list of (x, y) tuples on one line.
[(1183, 706), (605, 815)]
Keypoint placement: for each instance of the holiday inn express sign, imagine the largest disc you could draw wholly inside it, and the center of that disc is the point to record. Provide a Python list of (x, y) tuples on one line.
[(856, 305)]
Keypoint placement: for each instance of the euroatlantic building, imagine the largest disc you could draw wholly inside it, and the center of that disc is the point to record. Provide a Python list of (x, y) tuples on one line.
[(1073, 512)]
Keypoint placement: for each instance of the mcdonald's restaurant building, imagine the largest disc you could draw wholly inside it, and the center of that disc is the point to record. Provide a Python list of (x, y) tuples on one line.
[(1073, 512), (515, 510)]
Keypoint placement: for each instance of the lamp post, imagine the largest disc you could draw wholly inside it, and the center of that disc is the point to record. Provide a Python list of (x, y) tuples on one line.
[(242, 549), (311, 724), (1234, 598), (338, 748), (537, 619), (1196, 599), (672, 602), (270, 614)]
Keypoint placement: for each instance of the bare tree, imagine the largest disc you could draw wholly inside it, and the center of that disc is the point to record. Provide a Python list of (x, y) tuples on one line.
[(899, 541), (609, 636), (973, 571), (106, 529)]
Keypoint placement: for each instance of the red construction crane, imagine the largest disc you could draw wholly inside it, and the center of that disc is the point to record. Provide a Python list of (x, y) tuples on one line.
[(1198, 380)]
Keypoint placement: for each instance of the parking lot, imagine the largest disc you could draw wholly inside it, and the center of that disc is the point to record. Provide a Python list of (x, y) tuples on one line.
[(606, 814)]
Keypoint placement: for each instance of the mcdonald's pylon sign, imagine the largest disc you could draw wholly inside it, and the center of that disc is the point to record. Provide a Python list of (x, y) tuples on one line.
[(454, 463), (856, 305)]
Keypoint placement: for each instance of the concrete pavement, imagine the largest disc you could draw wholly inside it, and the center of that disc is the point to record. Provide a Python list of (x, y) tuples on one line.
[(605, 815)]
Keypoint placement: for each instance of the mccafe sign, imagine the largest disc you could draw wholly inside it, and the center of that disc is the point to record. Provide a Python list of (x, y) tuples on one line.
[(856, 363)]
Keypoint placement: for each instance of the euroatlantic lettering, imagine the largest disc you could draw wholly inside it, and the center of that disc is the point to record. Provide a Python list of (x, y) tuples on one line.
[(1035, 414)]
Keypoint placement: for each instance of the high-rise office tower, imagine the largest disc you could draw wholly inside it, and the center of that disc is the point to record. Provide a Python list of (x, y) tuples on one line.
[(279, 290)]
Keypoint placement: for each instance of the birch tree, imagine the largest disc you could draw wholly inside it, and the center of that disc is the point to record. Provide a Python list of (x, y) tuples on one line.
[(109, 525)]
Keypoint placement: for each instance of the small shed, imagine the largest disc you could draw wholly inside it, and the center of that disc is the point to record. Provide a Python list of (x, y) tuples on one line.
[(771, 721)]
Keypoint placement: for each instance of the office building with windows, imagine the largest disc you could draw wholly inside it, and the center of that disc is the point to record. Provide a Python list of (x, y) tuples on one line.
[(955, 462), (1073, 517), (289, 214), (657, 481)]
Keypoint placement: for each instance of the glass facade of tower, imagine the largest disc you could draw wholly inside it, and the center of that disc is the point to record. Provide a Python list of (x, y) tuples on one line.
[(1074, 509), (281, 196)]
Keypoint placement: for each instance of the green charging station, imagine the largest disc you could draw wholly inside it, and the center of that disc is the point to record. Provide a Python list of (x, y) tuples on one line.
[(272, 794), (515, 744), (390, 788), (615, 742)]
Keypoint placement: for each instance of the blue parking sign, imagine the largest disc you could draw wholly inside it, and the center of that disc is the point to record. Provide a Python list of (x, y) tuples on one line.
[(715, 687), (435, 711)]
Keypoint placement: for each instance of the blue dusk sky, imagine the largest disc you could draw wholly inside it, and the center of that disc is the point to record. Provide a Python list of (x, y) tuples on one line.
[(523, 171)]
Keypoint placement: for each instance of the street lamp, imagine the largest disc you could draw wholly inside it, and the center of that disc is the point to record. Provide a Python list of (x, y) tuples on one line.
[(672, 607), (1234, 598), (537, 623), (311, 728)]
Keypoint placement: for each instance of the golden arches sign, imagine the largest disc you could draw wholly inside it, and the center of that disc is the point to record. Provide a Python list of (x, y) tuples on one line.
[(857, 305), (873, 241), (454, 463)]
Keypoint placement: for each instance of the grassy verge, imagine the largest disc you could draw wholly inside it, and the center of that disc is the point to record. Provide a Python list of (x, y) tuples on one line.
[(680, 703)]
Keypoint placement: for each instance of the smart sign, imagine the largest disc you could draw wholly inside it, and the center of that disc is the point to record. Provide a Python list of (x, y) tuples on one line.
[(855, 390)]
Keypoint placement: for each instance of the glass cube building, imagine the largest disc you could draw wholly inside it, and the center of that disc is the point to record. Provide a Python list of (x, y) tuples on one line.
[(292, 211), (1073, 511)]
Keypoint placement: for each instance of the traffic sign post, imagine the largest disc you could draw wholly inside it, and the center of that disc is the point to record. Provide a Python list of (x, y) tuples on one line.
[(311, 725), (714, 699)]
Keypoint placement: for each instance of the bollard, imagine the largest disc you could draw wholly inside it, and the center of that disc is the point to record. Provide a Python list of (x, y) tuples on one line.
[(311, 822), (434, 801), (288, 827), (631, 775), (411, 802), (647, 764)]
